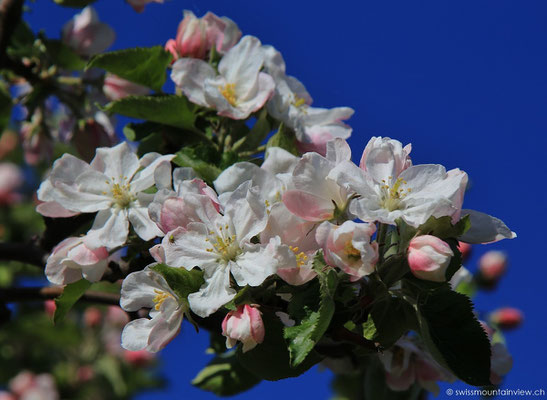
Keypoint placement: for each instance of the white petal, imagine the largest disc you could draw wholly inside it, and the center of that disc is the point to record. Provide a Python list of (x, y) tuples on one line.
[(190, 75), (116, 162), (145, 177), (254, 265), (109, 229), (214, 294), (143, 225), (136, 333), (138, 289)]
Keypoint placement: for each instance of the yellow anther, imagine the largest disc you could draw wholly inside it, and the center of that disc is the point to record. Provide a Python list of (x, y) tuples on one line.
[(298, 101), (351, 251), (122, 194), (159, 299), (228, 91)]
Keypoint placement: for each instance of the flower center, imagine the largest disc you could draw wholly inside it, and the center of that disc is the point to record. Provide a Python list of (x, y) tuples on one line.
[(351, 252), (392, 194), (159, 299), (229, 93), (224, 244), (121, 192), (301, 257), (298, 101)]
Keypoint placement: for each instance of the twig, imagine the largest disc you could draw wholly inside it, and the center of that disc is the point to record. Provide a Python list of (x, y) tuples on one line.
[(10, 295), (27, 253)]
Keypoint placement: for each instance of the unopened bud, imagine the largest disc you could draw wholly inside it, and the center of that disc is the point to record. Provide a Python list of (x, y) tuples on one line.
[(492, 266), (507, 318)]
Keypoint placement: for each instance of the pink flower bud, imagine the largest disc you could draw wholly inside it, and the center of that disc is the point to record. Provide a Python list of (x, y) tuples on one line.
[(244, 325), (116, 316), (138, 5), (116, 88), (139, 358), (492, 265), (92, 317), (196, 36), (11, 178), (507, 317), (465, 249), (86, 34), (428, 258), (50, 307)]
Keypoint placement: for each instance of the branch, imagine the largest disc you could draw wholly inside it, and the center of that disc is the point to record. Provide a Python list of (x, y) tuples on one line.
[(10, 295), (10, 15), (27, 253)]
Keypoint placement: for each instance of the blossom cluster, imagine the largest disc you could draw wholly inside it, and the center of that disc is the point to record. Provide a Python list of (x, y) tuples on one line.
[(247, 242)]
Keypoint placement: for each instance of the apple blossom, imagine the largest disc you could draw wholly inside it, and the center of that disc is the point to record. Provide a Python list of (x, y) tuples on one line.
[(405, 363), (196, 36), (86, 34), (71, 260), (116, 88), (244, 325), (429, 257), (149, 289), (315, 196), (299, 235), (291, 103), (348, 247), (138, 5), (113, 185), (169, 210), (272, 178), (413, 193), (221, 246), (237, 91)]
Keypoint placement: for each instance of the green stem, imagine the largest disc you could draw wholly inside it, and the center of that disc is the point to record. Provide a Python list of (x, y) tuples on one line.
[(381, 239)]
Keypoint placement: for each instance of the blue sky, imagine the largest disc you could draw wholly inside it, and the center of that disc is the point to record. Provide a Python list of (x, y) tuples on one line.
[(465, 82)]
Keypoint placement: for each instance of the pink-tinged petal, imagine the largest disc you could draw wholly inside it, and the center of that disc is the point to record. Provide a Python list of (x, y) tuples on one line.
[(142, 224), (53, 209), (296, 276), (429, 257), (158, 253), (308, 206)]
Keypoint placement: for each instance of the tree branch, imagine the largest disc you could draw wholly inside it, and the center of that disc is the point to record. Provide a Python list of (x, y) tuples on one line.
[(27, 253), (10, 15), (11, 295)]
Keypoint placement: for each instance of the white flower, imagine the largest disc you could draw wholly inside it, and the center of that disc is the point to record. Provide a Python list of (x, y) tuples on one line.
[(149, 289), (348, 247), (317, 197), (413, 193), (291, 103), (239, 88), (71, 260), (221, 245), (86, 34), (272, 179), (169, 210), (113, 185)]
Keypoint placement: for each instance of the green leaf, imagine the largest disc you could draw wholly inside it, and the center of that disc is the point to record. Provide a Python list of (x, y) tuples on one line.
[(454, 336), (165, 109), (284, 138), (71, 294), (74, 3), (187, 157), (388, 320), (137, 131), (455, 261), (256, 136), (182, 281), (5, 108), (144, 65), (393, 269), (304, 336), (270, 360), (225, 376), (63, 56)]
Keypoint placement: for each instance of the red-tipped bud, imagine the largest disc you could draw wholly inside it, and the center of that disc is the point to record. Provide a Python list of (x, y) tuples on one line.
[(507, 318), (492, 266)]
